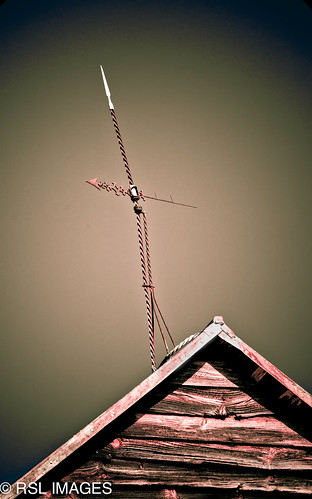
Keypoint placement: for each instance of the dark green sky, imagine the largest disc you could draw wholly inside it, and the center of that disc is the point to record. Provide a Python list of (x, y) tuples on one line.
[(214, 104)]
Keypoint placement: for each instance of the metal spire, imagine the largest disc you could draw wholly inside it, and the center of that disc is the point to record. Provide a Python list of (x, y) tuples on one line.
[(152, 307), (111, 106)]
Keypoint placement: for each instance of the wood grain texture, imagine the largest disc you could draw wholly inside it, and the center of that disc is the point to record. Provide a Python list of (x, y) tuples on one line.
[(302, 395), (217, 402), (270, 458), (259, 430), (129, 472), (153, 492), (202, 373)]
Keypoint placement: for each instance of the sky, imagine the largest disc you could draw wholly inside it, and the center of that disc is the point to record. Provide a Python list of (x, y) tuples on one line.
[(213, 101)]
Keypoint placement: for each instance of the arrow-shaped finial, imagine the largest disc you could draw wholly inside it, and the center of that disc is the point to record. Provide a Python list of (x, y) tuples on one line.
[(111, 106)]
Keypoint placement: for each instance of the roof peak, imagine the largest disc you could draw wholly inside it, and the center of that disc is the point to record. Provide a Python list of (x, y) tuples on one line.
[(218, 319)]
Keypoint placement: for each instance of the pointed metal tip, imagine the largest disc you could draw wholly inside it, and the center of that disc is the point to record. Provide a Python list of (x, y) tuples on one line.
[(111, 106)]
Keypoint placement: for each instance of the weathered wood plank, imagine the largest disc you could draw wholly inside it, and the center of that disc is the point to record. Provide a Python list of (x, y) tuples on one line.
[(217, 402), (152, 493), (127, 472), (201, 373), (148, 492), (172, 493), (228, 336), (260, 430), (278, 458)]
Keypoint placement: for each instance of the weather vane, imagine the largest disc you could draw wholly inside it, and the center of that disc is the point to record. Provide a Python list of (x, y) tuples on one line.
[(152, 307)]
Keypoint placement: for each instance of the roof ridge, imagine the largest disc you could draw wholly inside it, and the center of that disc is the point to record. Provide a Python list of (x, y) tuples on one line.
[(218, 319)]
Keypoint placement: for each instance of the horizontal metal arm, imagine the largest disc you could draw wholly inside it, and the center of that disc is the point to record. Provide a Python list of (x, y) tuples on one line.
[(121, 190)]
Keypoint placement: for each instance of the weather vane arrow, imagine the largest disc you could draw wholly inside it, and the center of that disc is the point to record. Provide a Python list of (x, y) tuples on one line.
[(152, 307)]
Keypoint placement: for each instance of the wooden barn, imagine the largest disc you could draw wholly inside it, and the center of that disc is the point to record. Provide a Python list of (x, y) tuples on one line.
[(215, 420)]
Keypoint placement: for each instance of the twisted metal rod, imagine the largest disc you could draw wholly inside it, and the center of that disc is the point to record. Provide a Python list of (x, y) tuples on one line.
[(152, 288), (150, 319), (122, 149)]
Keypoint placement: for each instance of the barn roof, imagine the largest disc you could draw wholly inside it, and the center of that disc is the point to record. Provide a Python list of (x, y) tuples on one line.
[(288, 390)]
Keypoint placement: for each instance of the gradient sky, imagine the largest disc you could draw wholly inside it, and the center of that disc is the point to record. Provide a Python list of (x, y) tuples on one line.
[(214, 104)]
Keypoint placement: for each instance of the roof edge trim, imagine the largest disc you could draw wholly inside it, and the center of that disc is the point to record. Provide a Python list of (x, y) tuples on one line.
[(230, 337)]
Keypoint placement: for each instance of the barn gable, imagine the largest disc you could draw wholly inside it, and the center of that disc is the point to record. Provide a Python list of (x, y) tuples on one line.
[(215, 420)]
